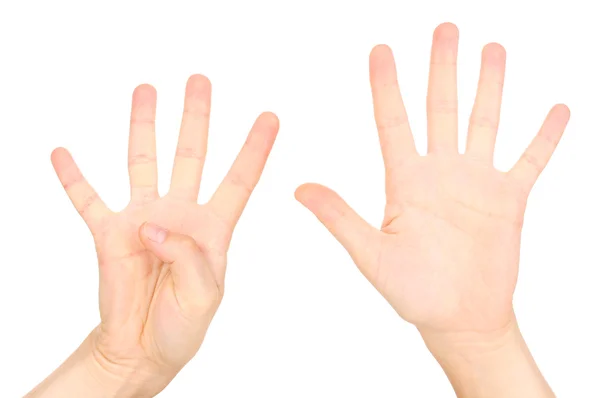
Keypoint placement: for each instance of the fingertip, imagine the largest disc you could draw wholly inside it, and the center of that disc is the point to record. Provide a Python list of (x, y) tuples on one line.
[(57, 153), (269, 119), (144, 90), (305, 194), (197, 97), (494, 53), (307, 187), (313, 193), (154, 233), (495, 48), (381, 59), (562, 110), (199, 82), (143, 103), (265, 129), (446, 30), (380, 50), (60, 157), (300, 192)]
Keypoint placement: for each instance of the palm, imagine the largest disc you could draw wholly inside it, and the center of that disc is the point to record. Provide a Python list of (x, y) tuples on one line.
[(129, 267), (451, 241), (446, 257), (141, 316)]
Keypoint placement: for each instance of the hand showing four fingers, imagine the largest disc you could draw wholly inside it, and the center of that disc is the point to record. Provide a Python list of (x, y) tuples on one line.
[(162, 259)]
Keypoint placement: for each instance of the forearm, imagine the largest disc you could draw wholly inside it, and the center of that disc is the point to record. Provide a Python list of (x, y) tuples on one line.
[(489, 366), (85, 374)]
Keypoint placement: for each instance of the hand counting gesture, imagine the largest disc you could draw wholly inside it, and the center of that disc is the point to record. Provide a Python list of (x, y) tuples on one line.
[(162, 259), (447, 254)]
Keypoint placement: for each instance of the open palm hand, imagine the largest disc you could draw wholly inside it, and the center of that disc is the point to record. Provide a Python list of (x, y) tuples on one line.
[(446, 257), (151, 317)]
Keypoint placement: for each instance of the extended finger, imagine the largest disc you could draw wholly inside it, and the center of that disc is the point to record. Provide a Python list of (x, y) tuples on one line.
[(536, 156), (84, 198), (233, 193), (191, 146), (485, 117), (352, 231), (142, 145), (442, 101), (395, 136)]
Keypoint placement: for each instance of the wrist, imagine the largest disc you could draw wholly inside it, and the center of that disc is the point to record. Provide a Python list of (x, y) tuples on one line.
[(473, 346), (87, 373), (123, 378), (79, 375), (488, 364)]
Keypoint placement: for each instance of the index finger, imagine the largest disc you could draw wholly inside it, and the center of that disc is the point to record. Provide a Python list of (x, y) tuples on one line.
[(233, 193)]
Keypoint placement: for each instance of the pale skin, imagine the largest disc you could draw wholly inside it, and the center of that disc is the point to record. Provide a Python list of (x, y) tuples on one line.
[(162, 259), (447, 254)]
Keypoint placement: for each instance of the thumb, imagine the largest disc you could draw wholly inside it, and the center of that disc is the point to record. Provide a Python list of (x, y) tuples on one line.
[(193, 278), (358, 237)]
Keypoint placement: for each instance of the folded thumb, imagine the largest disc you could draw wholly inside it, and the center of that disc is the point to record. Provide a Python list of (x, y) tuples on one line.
[(192, 275)]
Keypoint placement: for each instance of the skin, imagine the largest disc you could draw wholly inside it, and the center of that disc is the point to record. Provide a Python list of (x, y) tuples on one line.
[(447, 254), (161, 260)]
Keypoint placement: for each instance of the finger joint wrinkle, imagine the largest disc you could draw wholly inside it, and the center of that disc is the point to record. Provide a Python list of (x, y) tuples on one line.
[(446, 106), (87, 203), (188, 153), (141, 158)]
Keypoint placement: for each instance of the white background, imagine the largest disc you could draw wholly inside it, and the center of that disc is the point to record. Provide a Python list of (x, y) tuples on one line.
[(298, 319)]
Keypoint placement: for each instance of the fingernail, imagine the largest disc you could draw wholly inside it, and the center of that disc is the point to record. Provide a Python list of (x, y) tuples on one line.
[(155, 233)]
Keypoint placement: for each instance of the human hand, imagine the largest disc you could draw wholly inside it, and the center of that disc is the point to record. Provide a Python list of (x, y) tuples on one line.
[(447, 255), (157, 299)]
